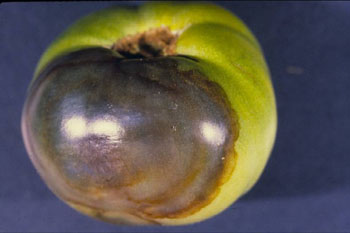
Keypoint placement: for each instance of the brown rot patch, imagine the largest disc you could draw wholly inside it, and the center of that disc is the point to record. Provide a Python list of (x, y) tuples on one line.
[(155, 42), (134, 139)]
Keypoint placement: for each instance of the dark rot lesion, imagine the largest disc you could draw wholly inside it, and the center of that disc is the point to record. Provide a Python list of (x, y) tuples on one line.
[(145, 137)]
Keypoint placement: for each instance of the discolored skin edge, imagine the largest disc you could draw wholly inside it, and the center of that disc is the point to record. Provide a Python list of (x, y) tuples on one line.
[(243, 74), (235, 62), (219, 96)]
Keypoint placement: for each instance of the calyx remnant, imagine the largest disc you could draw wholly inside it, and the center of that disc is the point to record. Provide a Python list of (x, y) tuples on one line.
[(154, 42)]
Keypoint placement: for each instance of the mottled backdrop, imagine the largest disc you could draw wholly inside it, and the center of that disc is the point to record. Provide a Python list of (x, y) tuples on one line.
[(306, 184)]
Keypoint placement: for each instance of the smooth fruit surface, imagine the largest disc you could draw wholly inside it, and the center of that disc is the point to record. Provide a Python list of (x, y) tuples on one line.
[(169, 140)]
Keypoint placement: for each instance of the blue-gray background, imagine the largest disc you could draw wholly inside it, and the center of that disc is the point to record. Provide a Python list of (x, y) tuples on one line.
[(306, 184)]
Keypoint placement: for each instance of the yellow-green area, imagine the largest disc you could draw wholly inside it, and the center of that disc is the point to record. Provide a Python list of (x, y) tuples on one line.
[(228, 54), (104, 27)]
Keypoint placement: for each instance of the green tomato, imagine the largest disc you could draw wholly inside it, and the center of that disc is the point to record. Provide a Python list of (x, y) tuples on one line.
[(162, 114)]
